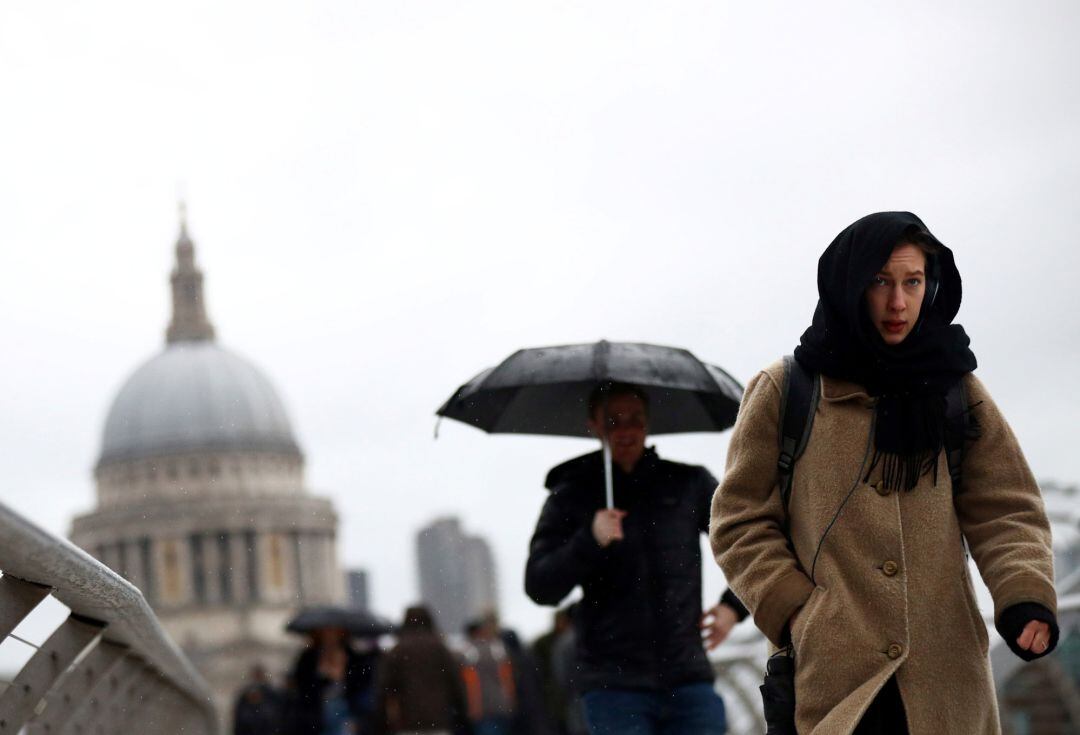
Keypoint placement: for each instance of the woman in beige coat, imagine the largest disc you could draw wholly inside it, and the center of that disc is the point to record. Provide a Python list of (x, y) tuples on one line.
[(873, 592)]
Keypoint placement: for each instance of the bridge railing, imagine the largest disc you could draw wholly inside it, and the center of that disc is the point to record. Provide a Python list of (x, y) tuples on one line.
[(739, 666), (109, 667)]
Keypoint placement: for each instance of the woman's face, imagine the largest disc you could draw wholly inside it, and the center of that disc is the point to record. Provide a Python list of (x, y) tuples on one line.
[(895, 296)]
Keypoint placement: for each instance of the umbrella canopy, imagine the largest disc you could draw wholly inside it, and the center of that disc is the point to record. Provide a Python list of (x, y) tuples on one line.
[(353, 620), (545, 390)]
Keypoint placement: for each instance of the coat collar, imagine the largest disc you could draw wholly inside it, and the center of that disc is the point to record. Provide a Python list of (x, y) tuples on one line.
[(835, 390), (590, 466)]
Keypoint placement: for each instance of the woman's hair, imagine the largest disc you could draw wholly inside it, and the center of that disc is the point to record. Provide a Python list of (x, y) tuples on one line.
[(921, 238)]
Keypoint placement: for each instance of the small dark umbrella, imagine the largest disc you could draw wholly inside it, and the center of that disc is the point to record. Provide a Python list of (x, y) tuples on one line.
[(545, 390), (353, 620)]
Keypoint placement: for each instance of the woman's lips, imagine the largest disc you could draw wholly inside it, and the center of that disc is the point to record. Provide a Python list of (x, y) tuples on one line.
[(894, 327)]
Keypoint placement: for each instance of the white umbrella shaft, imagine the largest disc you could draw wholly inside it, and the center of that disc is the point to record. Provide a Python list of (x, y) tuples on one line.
[(609, 493)]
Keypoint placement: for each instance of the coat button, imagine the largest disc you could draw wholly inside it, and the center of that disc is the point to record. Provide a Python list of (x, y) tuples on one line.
[(896, 651), (881, 489), (890, 568)]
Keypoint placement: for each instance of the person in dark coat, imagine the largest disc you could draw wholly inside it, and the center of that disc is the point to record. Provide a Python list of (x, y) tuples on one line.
[(259, 706), (556, 696), (418, 686), (332, 686), (643, 667), (491, 673), (565, 669)]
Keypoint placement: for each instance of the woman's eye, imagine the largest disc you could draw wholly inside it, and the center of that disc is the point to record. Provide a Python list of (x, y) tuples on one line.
[(878, 281), (914, 281)]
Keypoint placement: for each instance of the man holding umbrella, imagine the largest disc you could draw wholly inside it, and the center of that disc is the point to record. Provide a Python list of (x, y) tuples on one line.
[(622, 523), (640, 627)]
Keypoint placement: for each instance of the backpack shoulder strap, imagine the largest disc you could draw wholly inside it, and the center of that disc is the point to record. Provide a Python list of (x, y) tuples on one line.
[(798, 403), (957, 429)]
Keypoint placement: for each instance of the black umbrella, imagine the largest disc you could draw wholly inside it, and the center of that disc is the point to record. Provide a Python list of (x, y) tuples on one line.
[(546, 390), (353, 620)]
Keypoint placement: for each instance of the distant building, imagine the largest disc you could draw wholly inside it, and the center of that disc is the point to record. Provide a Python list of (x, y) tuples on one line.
[(457, 574), (201, 499), (356, 588)]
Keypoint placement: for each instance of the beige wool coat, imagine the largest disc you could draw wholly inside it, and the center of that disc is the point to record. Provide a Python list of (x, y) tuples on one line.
[(878, 582)]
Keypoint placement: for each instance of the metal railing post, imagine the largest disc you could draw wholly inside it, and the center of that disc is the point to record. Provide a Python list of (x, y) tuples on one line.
[(119, 715), (17, 599), (94, 712), (20, 700), (75, 692)]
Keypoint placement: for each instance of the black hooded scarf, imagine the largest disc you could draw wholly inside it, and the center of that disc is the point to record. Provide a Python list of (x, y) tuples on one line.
[(910, 379)]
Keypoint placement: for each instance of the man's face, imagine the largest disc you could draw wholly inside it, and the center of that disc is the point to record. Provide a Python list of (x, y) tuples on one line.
[(626, 427), (894, 298)]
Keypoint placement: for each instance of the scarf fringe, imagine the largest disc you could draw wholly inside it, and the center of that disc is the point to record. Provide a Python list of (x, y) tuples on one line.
[(902, 471)]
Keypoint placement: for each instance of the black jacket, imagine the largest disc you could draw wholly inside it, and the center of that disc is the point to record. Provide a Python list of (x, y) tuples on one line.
[(258, 710), (359, 682), (639, 620)]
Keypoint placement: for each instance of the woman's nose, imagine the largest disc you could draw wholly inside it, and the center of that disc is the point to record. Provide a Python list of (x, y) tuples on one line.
[(896, 299)]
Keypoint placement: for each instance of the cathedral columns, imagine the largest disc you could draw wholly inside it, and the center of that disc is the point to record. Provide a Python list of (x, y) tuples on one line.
[(172, 566), (241, 573)]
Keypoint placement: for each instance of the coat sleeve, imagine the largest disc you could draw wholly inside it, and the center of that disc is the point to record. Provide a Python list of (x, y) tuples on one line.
[(562, 552), (747, 520), (1001, 513)]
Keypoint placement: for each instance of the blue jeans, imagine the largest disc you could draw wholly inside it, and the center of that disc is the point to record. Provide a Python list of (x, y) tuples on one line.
[(335, 716), (693, 709), (493, 726)]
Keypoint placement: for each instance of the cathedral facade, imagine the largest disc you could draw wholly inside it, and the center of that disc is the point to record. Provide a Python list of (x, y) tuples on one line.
[(202, 503)]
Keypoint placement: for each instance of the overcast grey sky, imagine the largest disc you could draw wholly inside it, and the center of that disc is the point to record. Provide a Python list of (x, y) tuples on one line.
[(387, 197)]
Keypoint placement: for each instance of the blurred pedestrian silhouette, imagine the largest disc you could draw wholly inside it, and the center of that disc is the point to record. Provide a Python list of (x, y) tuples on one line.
[(418, 685), (332, 686), (489, 676), (564, 659), (505, 693), (260, 708), (556, 662)]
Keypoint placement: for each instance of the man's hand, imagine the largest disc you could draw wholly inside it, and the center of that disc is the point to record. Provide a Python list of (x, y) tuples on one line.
[(1035, 637), (716, 623), (607, 526)]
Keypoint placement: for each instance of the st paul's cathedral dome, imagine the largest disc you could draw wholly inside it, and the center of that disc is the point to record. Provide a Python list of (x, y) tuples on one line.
[(202, 502)]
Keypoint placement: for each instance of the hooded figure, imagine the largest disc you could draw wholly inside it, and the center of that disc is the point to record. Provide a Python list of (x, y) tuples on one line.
[(418, 687), (870, 586)]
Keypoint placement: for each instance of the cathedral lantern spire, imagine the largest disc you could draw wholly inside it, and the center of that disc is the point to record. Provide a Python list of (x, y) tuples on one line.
[(189, 321)]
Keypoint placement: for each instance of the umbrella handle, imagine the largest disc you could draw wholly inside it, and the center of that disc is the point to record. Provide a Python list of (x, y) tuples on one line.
[(609, 492)]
